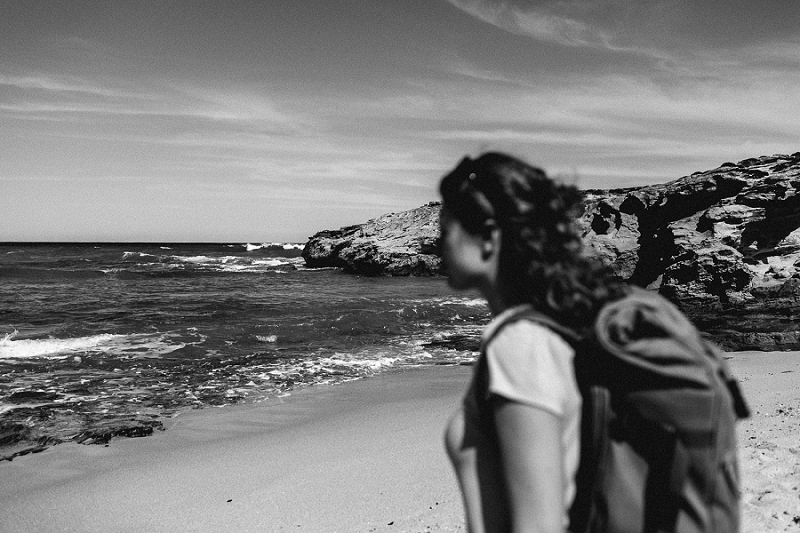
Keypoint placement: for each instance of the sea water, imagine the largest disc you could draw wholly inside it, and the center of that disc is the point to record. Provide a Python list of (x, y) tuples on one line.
[(99, 340)]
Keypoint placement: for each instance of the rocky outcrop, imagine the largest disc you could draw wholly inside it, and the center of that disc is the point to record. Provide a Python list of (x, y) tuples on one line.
[(398, 244), (724, 244)]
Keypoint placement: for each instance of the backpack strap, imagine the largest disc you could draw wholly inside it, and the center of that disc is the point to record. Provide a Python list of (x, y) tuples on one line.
[(527, 312), (739, 403), (596, 415), (485, 411)]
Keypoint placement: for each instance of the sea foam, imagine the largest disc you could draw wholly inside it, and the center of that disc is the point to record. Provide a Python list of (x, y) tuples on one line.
[(53, 348), (228, 263), (273, 246), (133, 345)]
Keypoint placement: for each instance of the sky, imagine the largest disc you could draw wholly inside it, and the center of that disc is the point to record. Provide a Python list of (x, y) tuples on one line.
[(270, 120)]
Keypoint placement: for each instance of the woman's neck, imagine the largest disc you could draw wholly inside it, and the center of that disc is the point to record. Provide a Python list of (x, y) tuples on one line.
[(497, 303)]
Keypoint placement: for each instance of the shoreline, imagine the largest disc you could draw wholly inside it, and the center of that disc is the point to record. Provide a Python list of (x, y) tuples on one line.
[(357, 456), (365, 455)]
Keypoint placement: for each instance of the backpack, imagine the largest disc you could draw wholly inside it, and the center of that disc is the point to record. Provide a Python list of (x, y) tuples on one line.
[(658, 442)]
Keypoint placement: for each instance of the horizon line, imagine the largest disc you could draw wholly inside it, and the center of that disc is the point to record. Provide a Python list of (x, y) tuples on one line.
[(144, 243)]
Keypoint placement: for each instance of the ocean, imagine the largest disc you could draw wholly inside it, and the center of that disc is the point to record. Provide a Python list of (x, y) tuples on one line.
[(108, 339)]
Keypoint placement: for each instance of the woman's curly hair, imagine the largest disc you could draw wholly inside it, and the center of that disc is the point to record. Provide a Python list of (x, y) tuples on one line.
[(541, 259)]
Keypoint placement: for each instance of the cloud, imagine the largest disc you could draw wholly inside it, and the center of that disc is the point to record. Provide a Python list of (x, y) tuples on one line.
[(51, 97), (50, 84), (464, 68), (534, 22), (667, 32), (627, 125), (95, 79), (629, 27), (234, 105)]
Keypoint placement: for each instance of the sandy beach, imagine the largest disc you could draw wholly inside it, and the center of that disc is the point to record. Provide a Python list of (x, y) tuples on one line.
[(769, 441), (361, 456)]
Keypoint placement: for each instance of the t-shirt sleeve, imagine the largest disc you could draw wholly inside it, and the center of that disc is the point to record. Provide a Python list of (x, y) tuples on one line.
[(531, 364)]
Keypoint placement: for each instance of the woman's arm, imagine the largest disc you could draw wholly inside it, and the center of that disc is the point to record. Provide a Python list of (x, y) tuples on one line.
[(477, 468), (531, 456)]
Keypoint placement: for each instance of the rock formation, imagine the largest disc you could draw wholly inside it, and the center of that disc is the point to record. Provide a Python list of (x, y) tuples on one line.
[(398, 244), (723, 244)]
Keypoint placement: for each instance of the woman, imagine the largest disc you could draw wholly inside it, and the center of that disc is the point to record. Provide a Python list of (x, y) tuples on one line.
[(514, 443)]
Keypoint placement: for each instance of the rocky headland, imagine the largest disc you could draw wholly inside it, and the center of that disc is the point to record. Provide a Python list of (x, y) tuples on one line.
[(397, 244), (723, 244)]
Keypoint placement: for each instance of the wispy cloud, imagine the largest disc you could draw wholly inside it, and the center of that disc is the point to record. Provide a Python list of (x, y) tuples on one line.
[(235, 105), (534, 21), (99, 80), (48, 97), (56, 85), (463, 68), (652, 29), (616, 125)]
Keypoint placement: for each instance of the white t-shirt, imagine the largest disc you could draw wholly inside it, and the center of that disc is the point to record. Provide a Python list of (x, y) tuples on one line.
[(530, 364)]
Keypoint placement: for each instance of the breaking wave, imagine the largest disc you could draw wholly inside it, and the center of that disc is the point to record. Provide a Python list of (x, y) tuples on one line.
[(132, 345)]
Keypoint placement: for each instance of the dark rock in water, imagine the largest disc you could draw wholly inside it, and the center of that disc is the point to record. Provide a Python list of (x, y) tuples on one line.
[(464, 343), (11, 433), (27, 396), (21, 439), (136, 427), (723, 244)]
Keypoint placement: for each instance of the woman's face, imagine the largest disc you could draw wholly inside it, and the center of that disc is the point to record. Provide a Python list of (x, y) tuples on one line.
[(462, 254)]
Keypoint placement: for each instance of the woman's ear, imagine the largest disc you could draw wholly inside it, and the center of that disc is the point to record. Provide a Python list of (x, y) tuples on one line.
[(490, 236)]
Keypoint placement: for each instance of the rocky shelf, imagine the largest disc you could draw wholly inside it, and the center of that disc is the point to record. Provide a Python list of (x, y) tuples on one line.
[(724, 244)]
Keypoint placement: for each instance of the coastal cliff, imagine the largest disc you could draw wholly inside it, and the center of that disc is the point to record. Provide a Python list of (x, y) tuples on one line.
[(724, 244)]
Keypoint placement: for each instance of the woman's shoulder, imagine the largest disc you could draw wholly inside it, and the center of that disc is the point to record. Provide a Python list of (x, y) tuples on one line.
[(529, 363), (525, 330)]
